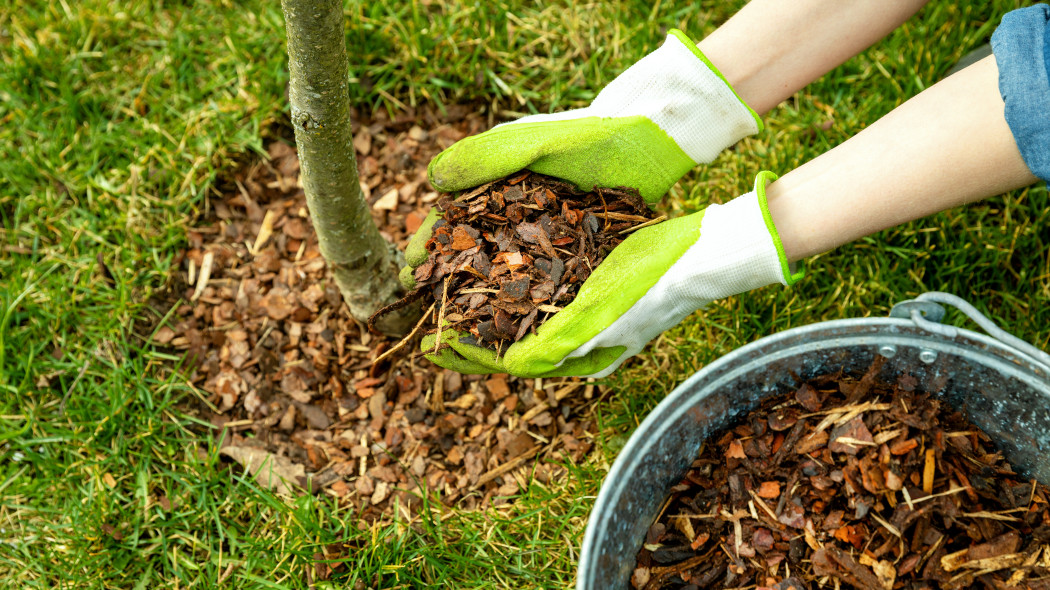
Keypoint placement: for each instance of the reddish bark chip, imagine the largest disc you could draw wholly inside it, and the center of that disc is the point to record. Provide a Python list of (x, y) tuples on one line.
[(902, 447), (514, 290), (812, 442), (413, 221), (808, 398), (769, 490), (783, 419), (850, 437), (762, 540), (461, 240), (497, 386), (736, 451)]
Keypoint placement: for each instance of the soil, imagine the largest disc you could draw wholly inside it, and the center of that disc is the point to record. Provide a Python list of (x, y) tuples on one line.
[(283, 372), (852, 483)]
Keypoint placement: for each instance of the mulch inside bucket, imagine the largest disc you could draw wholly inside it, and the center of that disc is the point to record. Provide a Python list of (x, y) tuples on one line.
[(852, 483)]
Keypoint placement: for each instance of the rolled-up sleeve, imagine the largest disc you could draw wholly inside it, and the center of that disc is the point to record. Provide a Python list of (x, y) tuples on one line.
[(1021, 45)]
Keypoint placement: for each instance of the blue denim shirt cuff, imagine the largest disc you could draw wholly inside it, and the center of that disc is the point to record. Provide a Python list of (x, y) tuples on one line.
[(1021, 45)]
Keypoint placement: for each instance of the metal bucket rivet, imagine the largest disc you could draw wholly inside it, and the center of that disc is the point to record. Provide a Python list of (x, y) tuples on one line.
[(888, 350), (928, 356)]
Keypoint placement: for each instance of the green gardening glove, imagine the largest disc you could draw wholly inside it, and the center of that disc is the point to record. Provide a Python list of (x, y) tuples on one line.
[(647, 128), (650, 282), (416, 251)]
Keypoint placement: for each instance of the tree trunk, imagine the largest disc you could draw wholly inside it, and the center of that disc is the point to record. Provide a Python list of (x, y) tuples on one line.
[(364, 265)]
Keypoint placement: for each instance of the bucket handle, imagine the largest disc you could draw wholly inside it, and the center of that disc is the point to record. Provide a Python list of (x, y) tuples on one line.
[(927, 314)]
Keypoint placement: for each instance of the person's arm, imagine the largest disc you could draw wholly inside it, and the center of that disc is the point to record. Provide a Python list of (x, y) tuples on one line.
[(771, 48), (947, 146)]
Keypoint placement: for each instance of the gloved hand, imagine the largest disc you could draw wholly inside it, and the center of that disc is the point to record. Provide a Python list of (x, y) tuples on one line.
[(647, 128), (649, 283)]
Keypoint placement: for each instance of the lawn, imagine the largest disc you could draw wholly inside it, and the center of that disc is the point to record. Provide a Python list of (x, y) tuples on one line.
[(119, 117)]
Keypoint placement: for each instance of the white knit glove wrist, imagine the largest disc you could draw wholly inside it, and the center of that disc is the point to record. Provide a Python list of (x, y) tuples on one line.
[(738, 250), (656, 121), (677, 88)]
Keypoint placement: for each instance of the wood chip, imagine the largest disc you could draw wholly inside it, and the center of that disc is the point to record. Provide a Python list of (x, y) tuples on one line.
[(265, 231), (929, 470), (205, 275)]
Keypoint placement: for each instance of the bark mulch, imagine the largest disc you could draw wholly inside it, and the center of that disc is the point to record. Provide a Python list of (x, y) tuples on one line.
[(851, 483), (508, 255), (288, 375)]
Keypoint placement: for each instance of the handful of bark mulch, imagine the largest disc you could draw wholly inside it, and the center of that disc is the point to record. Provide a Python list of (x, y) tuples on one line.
[(820, 489), (509, 254)]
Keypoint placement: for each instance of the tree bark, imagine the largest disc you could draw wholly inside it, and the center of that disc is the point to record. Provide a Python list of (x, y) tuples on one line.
[(363, 264)]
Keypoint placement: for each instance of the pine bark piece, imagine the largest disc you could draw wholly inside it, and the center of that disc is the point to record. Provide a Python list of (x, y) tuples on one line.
[(832, 561), (850, 437)]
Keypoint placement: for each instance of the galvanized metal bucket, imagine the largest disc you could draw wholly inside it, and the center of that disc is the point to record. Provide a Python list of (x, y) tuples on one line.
[(1000, 382)]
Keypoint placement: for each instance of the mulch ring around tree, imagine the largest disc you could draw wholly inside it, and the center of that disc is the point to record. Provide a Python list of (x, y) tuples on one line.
[(287, 378)]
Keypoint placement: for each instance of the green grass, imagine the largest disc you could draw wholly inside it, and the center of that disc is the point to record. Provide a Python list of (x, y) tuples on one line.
[(117, 117)]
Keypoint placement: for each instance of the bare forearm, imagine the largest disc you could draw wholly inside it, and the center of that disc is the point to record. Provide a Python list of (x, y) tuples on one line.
[(772, 48), (947, 146)]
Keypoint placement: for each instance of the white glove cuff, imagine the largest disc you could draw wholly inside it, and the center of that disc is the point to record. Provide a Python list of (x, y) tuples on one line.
[(677, 88), (738, 250), (682, 92)]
